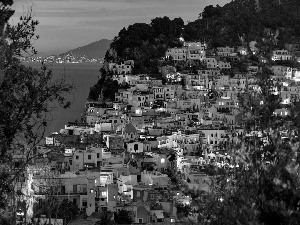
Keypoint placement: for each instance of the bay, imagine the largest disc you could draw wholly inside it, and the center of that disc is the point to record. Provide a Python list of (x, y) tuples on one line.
[(83, 76)]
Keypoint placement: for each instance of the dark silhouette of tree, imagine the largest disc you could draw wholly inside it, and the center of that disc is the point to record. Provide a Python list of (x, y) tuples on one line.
[(211, 11), (242, 21), (263, 189), (67, 210), (183, 210), (105, 218), (27, 97), (122, 217)]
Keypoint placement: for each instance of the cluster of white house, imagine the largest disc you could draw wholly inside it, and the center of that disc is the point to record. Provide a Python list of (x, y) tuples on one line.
[(119, 157)]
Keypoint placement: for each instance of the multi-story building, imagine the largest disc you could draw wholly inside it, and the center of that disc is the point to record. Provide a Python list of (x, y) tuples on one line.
[(281, 55)]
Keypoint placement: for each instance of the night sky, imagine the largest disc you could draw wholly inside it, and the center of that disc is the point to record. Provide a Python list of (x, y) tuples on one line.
[(68, 24)]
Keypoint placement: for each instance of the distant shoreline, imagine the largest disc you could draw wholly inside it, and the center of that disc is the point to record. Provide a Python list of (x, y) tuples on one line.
[(64, 62)]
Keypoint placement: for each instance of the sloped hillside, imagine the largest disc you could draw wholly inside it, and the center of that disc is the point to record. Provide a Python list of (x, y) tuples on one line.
[(96, 49), (245, 20)]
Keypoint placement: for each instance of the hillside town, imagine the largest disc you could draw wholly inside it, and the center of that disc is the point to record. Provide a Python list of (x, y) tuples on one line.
[(153, 151)]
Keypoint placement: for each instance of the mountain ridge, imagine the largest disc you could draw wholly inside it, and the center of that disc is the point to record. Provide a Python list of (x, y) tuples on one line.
[(93, 50)]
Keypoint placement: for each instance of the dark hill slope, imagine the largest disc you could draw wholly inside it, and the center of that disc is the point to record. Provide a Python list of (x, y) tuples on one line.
[(246, 20), (96, 49)]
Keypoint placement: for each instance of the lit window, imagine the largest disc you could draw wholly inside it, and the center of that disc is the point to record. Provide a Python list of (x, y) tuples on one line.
[(162, 160), (91, 191)]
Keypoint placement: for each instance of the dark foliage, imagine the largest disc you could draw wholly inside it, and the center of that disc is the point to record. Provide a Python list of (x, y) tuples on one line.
[(67, 210), (122, 217), (146, 42), (241, 21), (27, 97), (264, 188), (105, 88)]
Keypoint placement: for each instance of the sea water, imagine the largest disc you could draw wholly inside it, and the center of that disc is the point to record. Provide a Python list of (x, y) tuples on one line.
[(83, 76)]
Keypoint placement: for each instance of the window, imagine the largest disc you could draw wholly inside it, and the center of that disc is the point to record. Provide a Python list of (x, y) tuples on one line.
[(17, 164), (98, 155), (84, 204), (136, 147), (89, 157), (77, 156), (74, 189), (138, 194)]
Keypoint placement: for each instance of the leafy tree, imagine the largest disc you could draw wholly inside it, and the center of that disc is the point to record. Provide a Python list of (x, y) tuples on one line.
[(27, 97), (105, 87), (67, 210), (211, 11), (263, 189), (122, 217), (146, 43), (105, 218), (240, 22), (183, 210)]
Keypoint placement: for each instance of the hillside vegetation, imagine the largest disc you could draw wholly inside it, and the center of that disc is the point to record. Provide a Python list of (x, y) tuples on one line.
[(146, 43), (234, 24), (271, 23), (241, 21)]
